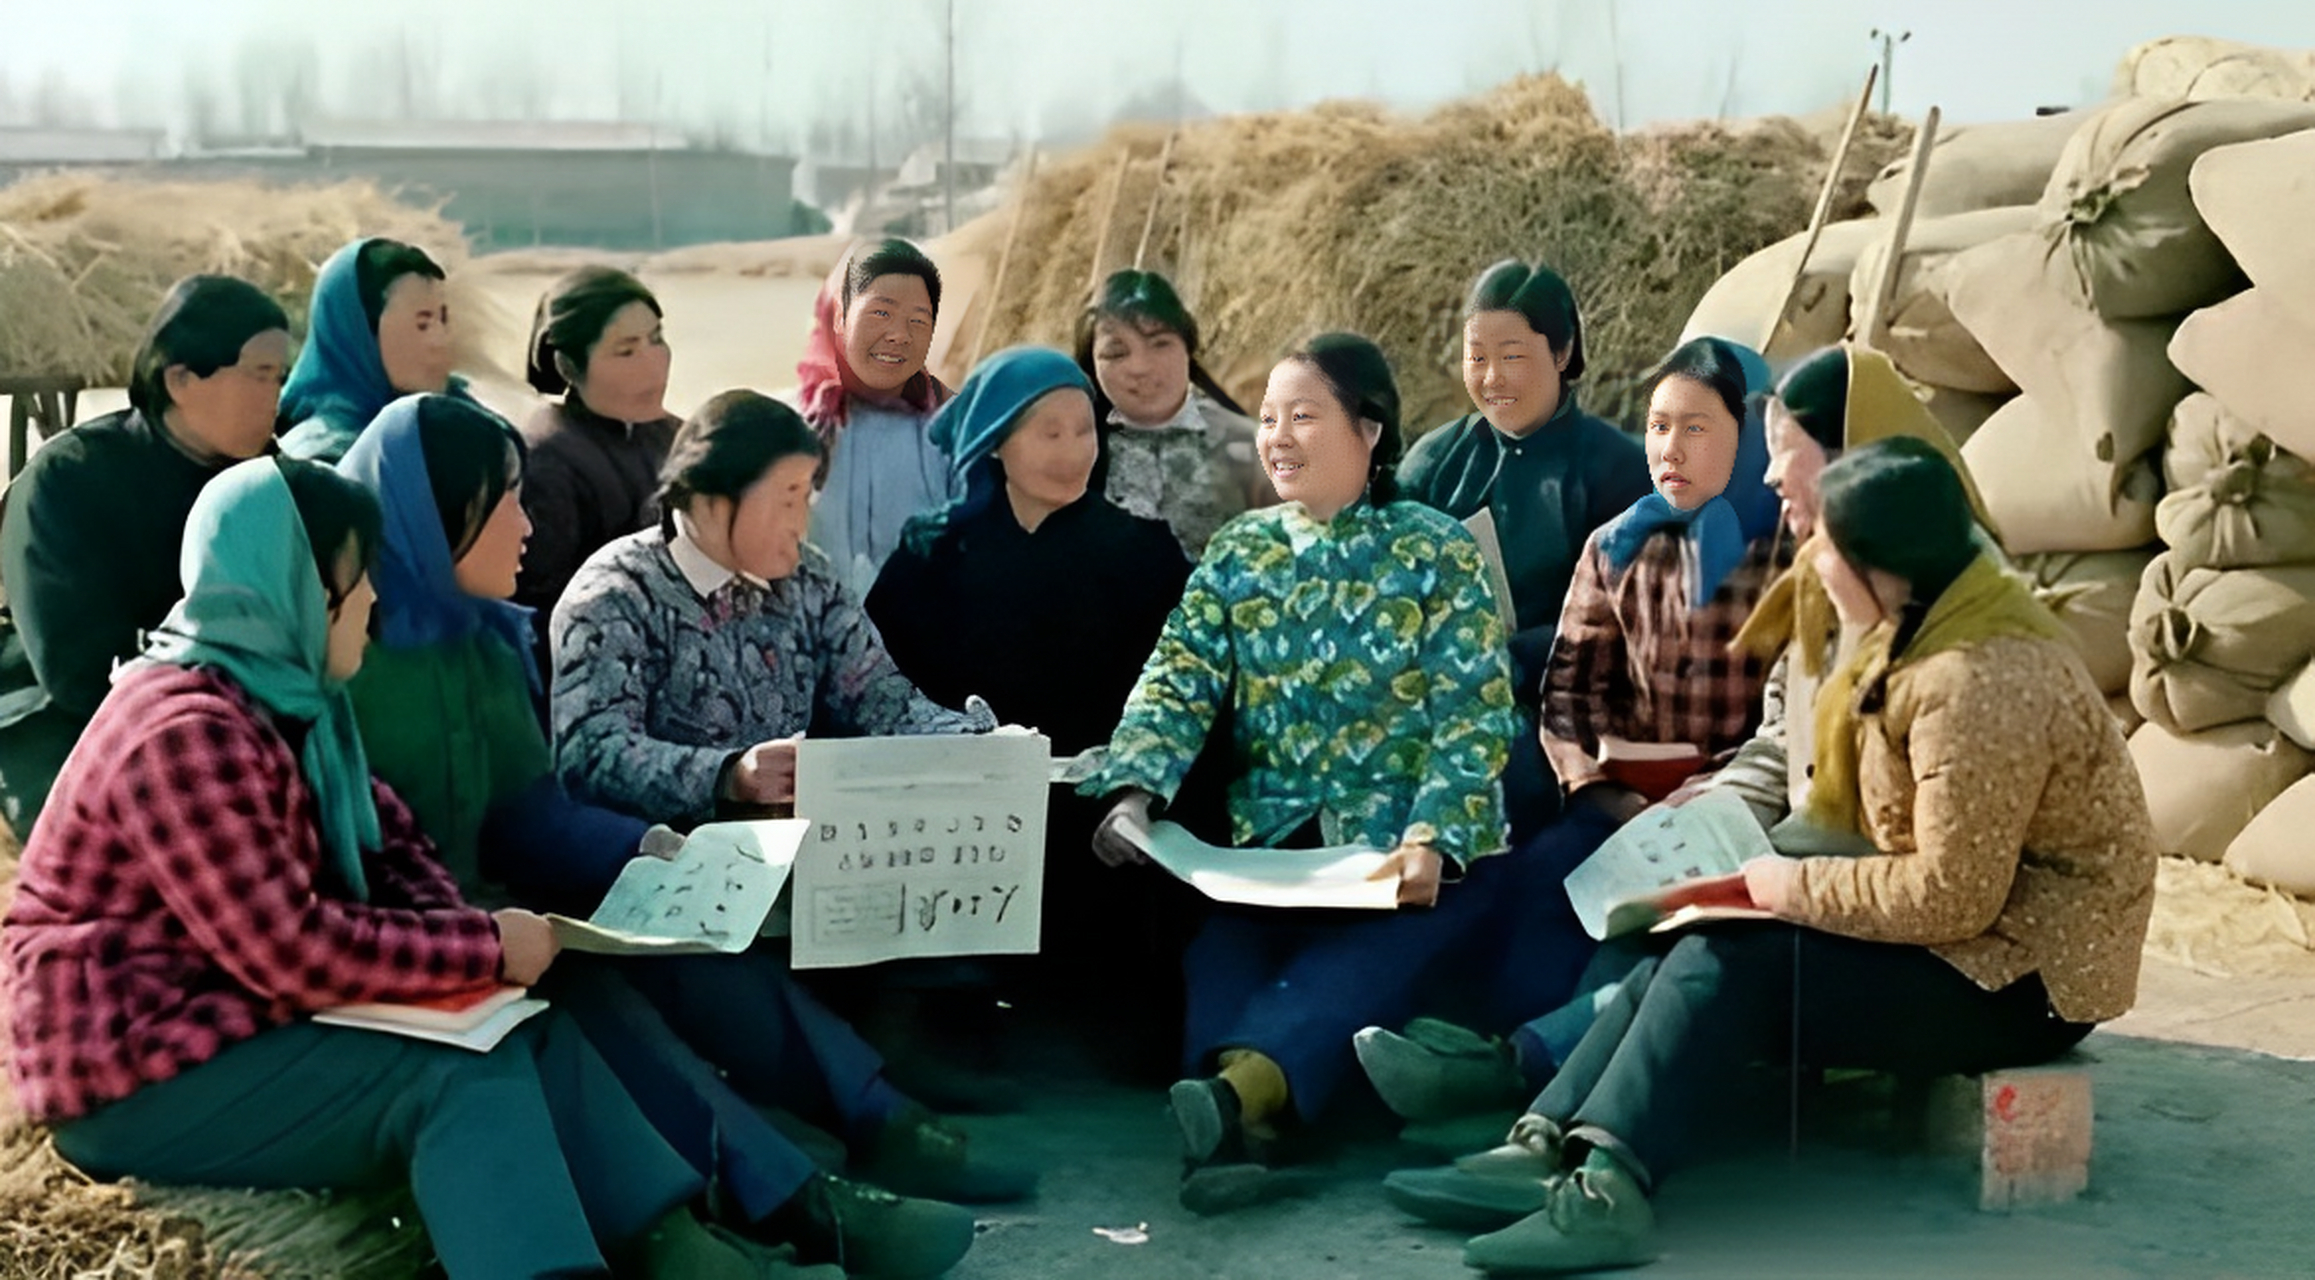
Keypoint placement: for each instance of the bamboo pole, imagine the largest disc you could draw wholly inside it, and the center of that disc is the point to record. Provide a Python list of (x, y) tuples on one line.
[(996, 291), (1824, 209), (1108, 217), (1876, 313), (1156, 192)]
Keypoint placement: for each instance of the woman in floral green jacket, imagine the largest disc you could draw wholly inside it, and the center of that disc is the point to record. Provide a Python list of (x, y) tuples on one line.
[(1355, 645)]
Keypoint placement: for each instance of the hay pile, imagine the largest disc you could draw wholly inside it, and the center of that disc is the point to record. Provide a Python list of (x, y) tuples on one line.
[(85, 259), (1347, 216)]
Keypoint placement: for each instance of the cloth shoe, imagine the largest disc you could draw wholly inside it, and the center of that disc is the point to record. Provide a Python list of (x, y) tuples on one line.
[(1597, 1218), (1206, 1111), (681, 1247), (916, 1153), (1436, 1070), (1486, 1190), (868, 1231)]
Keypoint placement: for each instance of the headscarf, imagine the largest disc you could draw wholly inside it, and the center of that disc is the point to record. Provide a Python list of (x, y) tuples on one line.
[(1720, 531), (254, 608), (339, 381), (419, 600), (826, 384), (1879, 406), (974, 425)]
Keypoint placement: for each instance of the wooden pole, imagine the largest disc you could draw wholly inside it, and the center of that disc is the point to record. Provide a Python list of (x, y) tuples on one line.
[(1004, 261), (1156, 193), (1876, 313), (1108, 216), (1823, 211)]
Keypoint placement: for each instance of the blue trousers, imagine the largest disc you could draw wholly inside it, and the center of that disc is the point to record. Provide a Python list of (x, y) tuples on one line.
[(524, 1160)]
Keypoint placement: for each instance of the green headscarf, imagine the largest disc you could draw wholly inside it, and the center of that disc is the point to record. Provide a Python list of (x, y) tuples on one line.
[(254, 609)]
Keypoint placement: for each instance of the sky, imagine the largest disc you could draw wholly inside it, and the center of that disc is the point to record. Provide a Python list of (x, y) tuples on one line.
[(785, 74)]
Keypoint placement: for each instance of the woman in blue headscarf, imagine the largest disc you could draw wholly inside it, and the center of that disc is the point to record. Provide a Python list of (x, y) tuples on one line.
[(1045, 598), (1644, 690), (379, 327), (216, 864)]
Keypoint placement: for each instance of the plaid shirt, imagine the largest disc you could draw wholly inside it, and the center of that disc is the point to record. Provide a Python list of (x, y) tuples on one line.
[(1635, 660), (172, 901)]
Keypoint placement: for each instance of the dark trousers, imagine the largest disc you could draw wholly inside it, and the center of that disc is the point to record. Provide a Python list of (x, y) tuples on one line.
[(1665, 1058), (1536, 948), (521, 1159), (1296, 985), (775, 1043), (696, 1109)]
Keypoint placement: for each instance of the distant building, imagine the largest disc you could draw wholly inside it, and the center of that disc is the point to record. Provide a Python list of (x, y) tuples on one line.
[(832, 184), (978, 162), (26, 150)]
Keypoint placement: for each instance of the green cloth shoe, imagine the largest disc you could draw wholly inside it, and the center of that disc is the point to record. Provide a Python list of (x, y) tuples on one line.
[(1489, 1189), (868, 1231), (1437, 1071), (917, 1153), (1597, 1218), (681, 1247)]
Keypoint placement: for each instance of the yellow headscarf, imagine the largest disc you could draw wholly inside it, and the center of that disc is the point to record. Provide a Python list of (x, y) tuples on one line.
[(1881, 405)]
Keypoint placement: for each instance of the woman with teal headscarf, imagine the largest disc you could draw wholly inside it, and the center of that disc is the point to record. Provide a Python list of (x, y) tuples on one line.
[(379, 328), (1044, 597), (216, 864)]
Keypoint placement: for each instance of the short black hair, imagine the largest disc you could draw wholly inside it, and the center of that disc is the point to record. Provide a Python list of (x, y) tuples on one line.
[(1539, 296), (340, 514), (379, 264), (1711, 361), (1145, 300), (203, 323), (729, 444), (571, 317), (1816, 393), (473, 458), (892, 257), (1359, 375)]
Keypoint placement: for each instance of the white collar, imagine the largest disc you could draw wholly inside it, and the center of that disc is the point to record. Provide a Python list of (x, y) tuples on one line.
[(697, 567), (1186, 418)]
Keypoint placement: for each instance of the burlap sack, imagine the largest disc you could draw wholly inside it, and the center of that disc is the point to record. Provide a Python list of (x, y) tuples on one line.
[(2111, 382), (1980, 166), (2291, 708), (1738, 305), (2259, 199), (2259, 361), (2236, 499), (2125, 713), (1961, 413), (2204, 67), (2048, 494), (1921, 336), (2273, 849), (2209, 645), (2124, 234), (2204, 788), (2092, 595)]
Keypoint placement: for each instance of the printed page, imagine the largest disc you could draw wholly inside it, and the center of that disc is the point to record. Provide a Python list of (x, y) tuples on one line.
[(479, 1038), (1482, 527), (920, 846), (712, 896), (1711, 835)]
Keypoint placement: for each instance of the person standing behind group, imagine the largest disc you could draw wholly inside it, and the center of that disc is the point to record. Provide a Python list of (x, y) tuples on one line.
[(868, 397), (1175, 446), (1546, 472), (378, 328), (89, 534), (593, 471)]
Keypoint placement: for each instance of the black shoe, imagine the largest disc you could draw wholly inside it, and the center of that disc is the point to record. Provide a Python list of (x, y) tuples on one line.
[(1208, 1113), (868, 1231), (917, 1153)]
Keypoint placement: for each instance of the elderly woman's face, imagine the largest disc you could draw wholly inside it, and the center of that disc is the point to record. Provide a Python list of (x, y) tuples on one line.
[(1691, 442), (1313, 450), (888, 332), (1049, 456)]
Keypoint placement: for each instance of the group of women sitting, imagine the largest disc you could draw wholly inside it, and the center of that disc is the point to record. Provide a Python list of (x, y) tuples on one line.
[(320, 681)]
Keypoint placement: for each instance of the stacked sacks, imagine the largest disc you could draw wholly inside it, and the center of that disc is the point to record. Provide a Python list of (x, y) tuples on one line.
[(2200, 67)]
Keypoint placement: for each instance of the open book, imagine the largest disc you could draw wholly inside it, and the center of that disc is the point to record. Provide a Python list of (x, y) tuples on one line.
[(1667, 859), (476, 1019), (1341, 877), (713, 895), (1654, 769)]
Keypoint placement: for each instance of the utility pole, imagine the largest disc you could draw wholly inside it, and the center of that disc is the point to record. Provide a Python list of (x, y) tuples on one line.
[(949, 147), (1889, 42)]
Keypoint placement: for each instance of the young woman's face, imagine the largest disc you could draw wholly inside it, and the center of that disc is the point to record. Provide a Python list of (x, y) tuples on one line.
[(888, 332), (626, 375), (1691, 442), (761, 534), (1313, 450), (414, 335), (1145, 372), (230, 413), (490, 566), (1049, 457), (1511, 371), (1795, 460), (349, 632)]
